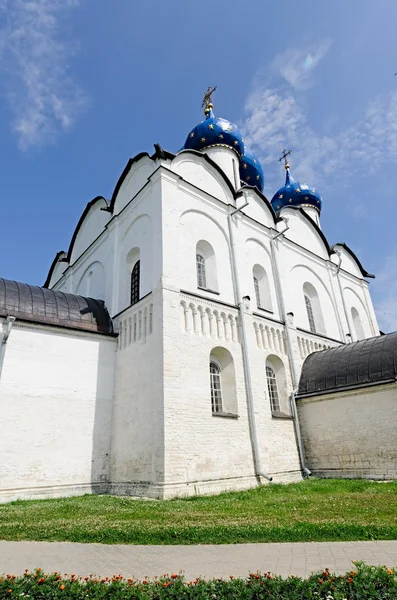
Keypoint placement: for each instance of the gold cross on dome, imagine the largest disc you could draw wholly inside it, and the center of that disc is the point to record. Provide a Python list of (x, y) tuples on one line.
[(284, 157), (208, 96)]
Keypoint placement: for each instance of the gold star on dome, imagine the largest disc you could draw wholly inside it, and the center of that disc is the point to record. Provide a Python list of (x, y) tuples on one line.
[(211, 126), (257, 177), (290, 200), (203, 139), (255, 161), (221, 136), (281, 196), (278, 206), (314, 190), (248, 178), (236, 143), (306, 197), (298, 191), (192, 134), (245, 165), (318, 201)]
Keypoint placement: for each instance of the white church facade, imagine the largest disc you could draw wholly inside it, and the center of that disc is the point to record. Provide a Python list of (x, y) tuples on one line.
[(162, 356)]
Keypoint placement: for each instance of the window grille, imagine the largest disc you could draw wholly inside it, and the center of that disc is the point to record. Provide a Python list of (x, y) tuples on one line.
[(272, 388), (216, 390), (201, 277), (257, 292), (135, 277), (310, 315)]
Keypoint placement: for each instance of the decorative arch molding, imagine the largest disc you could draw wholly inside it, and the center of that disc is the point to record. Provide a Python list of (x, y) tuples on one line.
[(131, 225), (203, 158), (318, 278), (262, 245), (92, 204), (59, 257), (159, 154), (363, 311), (94, 280), (201, 212), (349, 251), (313, 224)]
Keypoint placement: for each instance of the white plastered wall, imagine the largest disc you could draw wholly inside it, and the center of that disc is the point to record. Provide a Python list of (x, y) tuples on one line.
[(56, 396), (351, 434)]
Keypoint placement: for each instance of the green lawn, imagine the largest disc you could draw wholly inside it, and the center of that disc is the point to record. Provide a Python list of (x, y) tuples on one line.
[(313, 510)]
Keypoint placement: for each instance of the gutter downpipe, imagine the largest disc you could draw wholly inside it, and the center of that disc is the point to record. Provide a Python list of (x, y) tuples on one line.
[(294, 376), (247, 372), (4, 338), (341, 294)]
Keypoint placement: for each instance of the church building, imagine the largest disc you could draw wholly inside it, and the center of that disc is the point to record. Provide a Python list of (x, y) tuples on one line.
[(163, 353)]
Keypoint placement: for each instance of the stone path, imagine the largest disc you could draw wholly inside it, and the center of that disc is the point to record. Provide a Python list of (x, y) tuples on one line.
[(205, 561)]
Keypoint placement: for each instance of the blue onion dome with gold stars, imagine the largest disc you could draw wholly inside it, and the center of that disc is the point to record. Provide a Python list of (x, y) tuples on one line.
[(294, 193), (251, 171), (214, 131)]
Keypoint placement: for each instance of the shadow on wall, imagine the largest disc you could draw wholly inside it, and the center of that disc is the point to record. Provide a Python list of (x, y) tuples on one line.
[(102, 423)]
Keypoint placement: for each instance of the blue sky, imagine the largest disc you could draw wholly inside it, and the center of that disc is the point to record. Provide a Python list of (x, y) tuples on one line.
[(86, 84)]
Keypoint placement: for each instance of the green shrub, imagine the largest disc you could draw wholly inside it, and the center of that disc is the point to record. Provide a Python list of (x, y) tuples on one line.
[(360, 584)]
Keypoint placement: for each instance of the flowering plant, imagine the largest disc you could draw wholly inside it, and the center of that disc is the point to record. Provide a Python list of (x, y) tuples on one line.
[(362, 583)]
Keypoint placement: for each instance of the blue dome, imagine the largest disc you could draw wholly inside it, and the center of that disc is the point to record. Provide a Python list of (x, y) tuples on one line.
[(214, 131), (251, 171), (294, 193)]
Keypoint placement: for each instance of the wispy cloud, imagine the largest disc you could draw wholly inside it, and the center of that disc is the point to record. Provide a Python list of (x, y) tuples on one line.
[(43, 97), (296, 66), (385, 293), (276, 117)]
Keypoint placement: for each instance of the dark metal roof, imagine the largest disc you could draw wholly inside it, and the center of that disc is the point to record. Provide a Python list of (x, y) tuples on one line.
[(41, 305), (360, 364)]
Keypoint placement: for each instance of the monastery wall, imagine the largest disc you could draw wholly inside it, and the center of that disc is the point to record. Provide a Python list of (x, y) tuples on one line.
[(56, 396), (351, 434)]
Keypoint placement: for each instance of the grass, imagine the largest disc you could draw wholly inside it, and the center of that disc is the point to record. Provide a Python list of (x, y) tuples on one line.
[(312, 510)]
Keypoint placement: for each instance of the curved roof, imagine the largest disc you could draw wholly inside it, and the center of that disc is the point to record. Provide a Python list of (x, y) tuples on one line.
[(214, 131), (41, 305), (294, 193), (360, 364)]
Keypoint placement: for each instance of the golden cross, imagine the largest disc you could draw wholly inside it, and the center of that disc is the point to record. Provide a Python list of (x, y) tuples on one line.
[(208, 96), (284, 156)]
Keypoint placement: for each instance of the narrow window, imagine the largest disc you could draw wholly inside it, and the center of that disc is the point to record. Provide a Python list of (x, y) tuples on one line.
[(201, 277), (257, 292), (216, 391), (135, 277), (272, 388), (310, 315)]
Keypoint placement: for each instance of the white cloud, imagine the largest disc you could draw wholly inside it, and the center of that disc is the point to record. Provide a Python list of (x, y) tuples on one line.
[(276, 117), (296, 66), (43, 97)]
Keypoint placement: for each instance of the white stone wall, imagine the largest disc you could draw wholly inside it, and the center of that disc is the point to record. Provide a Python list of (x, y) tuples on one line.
[(56, 397), (351, 434), (165, 440)]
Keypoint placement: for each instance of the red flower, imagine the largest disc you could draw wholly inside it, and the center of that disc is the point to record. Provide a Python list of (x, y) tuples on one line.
[(173, 576)]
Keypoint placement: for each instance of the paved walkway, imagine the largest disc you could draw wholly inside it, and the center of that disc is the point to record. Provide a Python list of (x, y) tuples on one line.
[(205, 561)]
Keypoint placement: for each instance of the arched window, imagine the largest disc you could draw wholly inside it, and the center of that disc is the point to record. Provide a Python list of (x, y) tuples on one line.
[(223, 382), (206, 267), (277, 385), (272, 389), (310, 315), (201, 278), (216, 389), (358, 326), (135, 279), (261, 288), (313, 309)]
